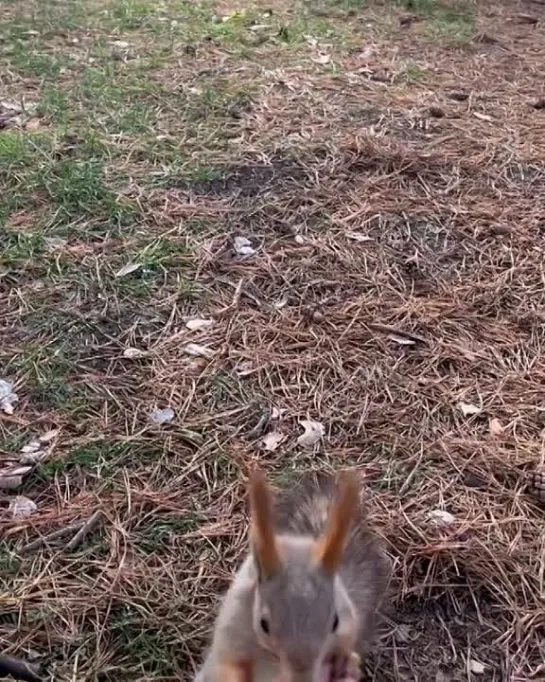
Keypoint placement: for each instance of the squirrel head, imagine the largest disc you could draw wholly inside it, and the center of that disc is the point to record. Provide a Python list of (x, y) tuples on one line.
[(301, 611)]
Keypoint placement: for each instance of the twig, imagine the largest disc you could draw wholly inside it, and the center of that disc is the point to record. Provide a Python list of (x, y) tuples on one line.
[(82, 532), (55, 535), (387, 329)]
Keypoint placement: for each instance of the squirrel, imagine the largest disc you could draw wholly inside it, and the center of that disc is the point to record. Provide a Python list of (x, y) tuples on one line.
[(303, 605)]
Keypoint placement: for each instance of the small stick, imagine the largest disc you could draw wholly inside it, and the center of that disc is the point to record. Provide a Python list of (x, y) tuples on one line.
[(18, 669), (82, 532), (55, 535), (387, 329)]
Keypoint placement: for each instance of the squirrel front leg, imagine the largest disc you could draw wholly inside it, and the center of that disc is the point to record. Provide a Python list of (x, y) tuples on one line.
[(345, 667), (232, 652), (233, 671)]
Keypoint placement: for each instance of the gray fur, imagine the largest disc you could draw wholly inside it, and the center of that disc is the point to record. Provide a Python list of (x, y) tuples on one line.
[(300, 602), (365, 569)]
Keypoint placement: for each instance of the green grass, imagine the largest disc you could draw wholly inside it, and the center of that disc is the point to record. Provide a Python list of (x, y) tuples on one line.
[(449, 22)]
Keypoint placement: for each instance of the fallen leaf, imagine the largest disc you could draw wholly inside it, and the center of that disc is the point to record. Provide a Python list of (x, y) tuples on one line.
[(11, 105), (441, 517), (21, 507), (12, 475), (162, 416), (33, 446), (198, 351), (314, 431), (243, 246), (8, 398), (358, 237), (281, 303), (272, 440), (277, 413), (495, 426), (402, 340), (476, 667), (10, 482), (32, 452), (54, 243), (482, 117), (48, 436), (196, 323), (127, 269), (134, 353), (244, 368), (33, 124), (321, 59), (468, 409)]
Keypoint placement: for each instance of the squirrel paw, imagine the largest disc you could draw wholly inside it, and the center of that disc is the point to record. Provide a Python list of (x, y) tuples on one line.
[(345, 668)]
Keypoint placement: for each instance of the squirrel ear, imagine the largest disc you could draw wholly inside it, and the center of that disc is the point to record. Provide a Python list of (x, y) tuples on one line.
[(261, 527), (330, 546)]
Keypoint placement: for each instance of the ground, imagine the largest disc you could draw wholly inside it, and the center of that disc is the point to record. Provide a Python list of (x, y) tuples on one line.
[(385, 163)]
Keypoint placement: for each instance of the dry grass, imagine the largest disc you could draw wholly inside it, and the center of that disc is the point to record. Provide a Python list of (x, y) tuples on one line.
[(398, 272)]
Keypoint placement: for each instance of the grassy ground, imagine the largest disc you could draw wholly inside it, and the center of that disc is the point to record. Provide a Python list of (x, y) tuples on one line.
[(385, 162)]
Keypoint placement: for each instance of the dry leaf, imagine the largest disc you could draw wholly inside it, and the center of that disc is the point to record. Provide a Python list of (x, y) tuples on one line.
[(402, 340), (358, 237), (162, 416), (134, 353), (496, 429), (272, 440), (11, 105), (243, 246), (277, 413), (468, 409), (33, 446), (314, 431), (245, 368), (196, 323), (33, 452), (321, 59), (12, 474), (127, 269), (8, 398), (33, 124), (476, 667), (441, 517), (48, 436), (54, 243), (198, 351), (10, 482), (482, 117), (21, 507)]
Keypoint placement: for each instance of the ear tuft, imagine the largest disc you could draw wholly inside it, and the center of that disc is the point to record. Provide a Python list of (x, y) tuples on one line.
[(262, 531), (330, 547)]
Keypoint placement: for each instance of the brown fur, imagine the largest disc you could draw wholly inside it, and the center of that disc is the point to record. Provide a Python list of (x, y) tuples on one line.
[(262, 533), (330, 547)]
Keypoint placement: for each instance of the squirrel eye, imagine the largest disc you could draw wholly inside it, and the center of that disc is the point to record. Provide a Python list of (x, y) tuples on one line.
[(335, 623), (264, 625)]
